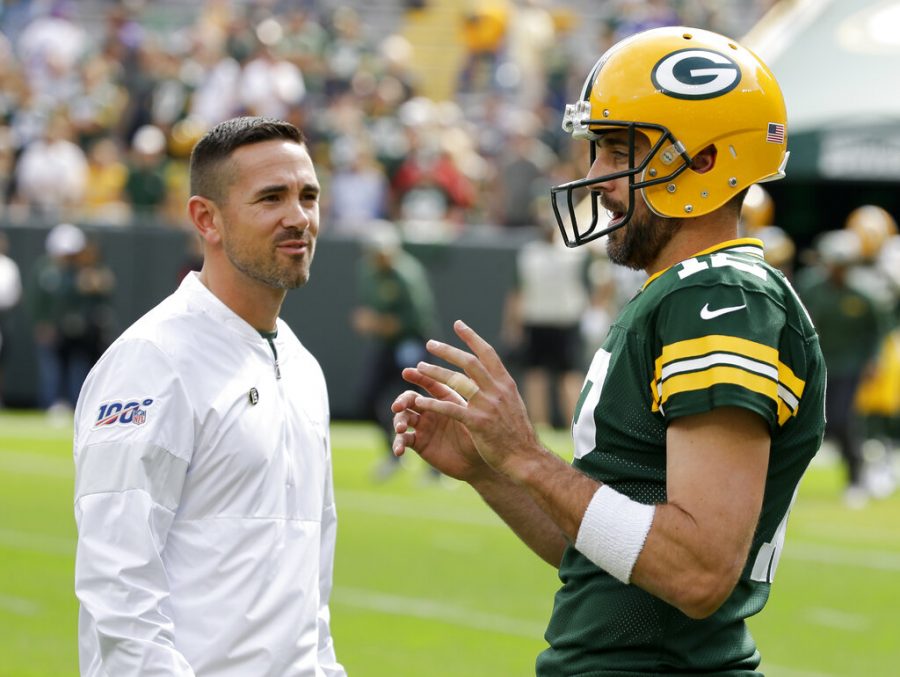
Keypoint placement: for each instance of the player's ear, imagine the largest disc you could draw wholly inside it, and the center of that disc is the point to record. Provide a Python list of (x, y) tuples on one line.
[(704, 160), (204, 215)]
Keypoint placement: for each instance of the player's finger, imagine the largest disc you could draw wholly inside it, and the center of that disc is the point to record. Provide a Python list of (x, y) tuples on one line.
[(402, 441), (404, 401), (405, 419), (431, 385), (442, 407), (466, 361), (484, 351), (454, 380)]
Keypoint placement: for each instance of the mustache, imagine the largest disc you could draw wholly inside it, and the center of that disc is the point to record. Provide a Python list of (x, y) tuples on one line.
[(611, 206), (293, 234)]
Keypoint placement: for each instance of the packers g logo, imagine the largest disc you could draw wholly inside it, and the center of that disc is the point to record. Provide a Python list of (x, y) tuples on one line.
[(695, 74)]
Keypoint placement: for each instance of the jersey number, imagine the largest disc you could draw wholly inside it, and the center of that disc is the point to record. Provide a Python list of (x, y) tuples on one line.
[(691, 266)]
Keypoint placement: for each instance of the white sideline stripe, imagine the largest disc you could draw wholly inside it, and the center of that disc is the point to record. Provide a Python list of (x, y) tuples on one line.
[(430, 609), (841, 620), (835, 556), (48, 545), (20, 462), (19, 606), (781, 671), (45, 428)]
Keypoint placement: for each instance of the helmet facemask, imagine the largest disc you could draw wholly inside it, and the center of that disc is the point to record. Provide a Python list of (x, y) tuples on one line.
[(575, 233)]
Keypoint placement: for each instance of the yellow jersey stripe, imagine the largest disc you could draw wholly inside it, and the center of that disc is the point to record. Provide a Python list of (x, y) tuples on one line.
[(724, 375), (713, 343)]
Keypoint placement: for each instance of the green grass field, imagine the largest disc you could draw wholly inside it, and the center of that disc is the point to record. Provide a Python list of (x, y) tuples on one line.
[(429, 583)]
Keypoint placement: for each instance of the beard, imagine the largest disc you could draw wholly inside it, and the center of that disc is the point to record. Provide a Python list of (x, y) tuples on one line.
[(639, 242), (268, 267)]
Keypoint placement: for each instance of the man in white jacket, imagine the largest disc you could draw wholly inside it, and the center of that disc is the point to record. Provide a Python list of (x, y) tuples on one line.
[(203, 491)]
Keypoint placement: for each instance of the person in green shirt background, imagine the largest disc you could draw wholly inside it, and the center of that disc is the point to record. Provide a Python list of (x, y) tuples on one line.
[(396, 312), (851, 325)]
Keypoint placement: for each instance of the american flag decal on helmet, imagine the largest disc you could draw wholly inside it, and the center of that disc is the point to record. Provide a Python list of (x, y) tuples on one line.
[(775, 133)]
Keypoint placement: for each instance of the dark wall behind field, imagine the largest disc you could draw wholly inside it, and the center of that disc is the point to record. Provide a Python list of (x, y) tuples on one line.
[(470, 277)]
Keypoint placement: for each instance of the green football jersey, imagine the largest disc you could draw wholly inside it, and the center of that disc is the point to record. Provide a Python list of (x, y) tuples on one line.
[(723, 328)]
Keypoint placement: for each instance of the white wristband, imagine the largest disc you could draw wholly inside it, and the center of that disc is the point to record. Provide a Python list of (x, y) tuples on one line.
[(613, 531)]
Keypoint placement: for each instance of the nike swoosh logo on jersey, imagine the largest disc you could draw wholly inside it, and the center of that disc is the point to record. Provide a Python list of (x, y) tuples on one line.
[(708, 314)]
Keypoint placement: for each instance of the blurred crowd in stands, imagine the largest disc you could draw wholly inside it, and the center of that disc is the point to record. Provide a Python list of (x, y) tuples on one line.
[(101, 101)]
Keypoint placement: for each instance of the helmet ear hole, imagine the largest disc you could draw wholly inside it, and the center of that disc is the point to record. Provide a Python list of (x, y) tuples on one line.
[(704, 160)]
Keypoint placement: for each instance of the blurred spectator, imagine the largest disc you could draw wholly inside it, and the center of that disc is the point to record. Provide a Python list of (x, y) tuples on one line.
[(145, 187), (104, 199), (530, 38), (10, 295), (359, 188), (59, 322), (542, 324), (95, 283), (483, 33), (184, 135), (216, 77), (51, 175), (878, 396), (428, 187), (850, 331), (396, 313), (347, 51), (97, 107), (50, 48), (304, 44), (269, 85), (523, 179)]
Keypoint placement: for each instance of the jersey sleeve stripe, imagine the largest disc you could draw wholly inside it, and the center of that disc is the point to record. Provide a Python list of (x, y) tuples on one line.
[(720, 375), (715, 359), (790, 380), (712, 343)]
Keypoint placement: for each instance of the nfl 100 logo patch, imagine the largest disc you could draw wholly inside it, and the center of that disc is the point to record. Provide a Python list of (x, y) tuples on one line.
[(129, 412)]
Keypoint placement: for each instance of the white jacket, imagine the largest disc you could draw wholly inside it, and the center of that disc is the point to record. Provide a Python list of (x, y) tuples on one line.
[(204, 500)]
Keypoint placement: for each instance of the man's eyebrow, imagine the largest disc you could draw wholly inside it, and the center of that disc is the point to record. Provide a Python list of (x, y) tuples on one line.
[(274, 188), (283, 188)]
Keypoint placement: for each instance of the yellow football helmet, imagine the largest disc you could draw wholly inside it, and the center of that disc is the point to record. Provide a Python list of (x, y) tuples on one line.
[(684, 89), (874, 225)]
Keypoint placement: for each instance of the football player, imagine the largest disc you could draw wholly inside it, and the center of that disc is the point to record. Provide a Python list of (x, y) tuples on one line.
[(702, 408)]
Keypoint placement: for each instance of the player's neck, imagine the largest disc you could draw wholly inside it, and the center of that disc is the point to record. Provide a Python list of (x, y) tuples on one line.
[(695, 235)]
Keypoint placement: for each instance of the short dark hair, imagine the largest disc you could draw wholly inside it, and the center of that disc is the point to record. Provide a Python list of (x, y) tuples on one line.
[(209, 178)]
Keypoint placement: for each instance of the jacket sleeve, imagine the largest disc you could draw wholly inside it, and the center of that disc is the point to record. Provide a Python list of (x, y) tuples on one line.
[(133, 437), (327, 659)]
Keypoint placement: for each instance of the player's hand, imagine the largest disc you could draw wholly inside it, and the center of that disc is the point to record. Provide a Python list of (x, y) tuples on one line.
[(442, 442), (487, 403)]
